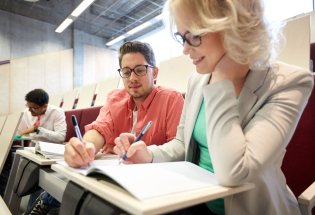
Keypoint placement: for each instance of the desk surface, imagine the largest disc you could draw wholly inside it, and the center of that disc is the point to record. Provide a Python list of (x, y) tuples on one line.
[(121, 198), (3, 207)]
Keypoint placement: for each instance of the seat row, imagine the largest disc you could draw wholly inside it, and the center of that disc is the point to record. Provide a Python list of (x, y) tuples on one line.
[(85, 96)]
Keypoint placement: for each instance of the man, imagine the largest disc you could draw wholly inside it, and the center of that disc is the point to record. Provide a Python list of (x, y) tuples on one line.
[(127, 110), (42, 121)]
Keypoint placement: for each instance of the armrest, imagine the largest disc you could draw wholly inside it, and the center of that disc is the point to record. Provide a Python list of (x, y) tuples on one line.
[(307, 200)]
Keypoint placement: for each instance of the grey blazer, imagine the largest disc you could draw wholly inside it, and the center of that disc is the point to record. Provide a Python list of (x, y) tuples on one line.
[(247, 136)]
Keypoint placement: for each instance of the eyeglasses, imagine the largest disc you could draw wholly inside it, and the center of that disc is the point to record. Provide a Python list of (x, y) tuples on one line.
[(33, 108), (140, 70), (192, 40)]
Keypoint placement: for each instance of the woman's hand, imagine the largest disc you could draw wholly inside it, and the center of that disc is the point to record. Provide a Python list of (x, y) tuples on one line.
[(136, 152)]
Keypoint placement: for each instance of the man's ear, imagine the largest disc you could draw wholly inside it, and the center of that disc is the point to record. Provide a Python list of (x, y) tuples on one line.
[(155, 73)]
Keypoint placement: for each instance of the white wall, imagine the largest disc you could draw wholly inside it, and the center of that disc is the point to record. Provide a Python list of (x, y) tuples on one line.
[(297, 46)]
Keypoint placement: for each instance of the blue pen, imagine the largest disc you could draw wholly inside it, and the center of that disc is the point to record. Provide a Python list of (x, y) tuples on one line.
[(76, 127), (142, 132)]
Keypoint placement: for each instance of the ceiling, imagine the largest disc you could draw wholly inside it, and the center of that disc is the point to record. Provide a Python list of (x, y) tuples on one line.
[(104, 18)]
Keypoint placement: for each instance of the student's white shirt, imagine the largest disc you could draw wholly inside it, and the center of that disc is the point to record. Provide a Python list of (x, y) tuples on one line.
[(52, 128)]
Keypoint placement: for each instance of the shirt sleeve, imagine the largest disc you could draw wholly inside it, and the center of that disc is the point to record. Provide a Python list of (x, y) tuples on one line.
[(103, 123), (58, 134)]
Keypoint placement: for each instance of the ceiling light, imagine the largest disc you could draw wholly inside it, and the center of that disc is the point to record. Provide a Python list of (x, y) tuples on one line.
[(31, 0), (117, 39), (75, 13), (139, 28), (135, 30), (64, 25), (82, 7)]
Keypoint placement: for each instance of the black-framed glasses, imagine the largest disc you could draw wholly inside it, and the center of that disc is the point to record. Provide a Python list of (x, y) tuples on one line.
[(33, 108), (192, 40), (140, 70)]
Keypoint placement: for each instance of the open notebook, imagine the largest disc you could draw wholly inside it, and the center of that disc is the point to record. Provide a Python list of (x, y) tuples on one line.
[(145, 181), (50, 150)]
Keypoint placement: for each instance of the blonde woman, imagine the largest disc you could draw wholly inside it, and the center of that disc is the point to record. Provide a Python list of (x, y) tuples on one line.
[(240, 109)]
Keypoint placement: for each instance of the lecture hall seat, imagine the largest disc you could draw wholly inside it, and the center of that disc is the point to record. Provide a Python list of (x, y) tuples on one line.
[(312, 55), (84, 116), (299, 161)]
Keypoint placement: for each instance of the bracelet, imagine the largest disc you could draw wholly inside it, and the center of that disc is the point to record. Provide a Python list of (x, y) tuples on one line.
[(36, 130)]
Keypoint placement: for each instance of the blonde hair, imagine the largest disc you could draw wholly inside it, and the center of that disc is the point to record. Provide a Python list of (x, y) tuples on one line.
[(247, 37)]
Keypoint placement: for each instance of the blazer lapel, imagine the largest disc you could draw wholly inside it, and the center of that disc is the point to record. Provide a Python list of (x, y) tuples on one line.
[(248, 97), (194, 106)]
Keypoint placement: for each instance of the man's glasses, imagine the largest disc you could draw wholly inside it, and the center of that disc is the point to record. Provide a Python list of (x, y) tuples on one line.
[(192, 40), (140, 70), (33, 108)]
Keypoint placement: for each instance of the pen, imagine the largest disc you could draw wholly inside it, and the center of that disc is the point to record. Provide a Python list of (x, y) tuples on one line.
[(142, 132), (76, 127)]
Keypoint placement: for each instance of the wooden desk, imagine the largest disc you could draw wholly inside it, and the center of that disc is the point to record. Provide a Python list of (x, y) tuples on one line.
[(3, 207), (49, 180), (119, 197)]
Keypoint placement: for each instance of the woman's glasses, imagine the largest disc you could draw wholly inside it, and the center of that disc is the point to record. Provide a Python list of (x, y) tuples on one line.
[(192, 40)]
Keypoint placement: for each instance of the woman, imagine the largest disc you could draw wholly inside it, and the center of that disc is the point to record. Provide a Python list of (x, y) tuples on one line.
[(240, 109)]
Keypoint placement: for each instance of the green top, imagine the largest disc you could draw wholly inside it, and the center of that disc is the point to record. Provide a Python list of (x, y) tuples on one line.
[(200, 136)]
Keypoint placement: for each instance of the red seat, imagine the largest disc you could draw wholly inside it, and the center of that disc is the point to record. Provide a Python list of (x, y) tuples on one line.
[(70, 130), (84, 116), (299, 161), (88, 115), (313, 55)]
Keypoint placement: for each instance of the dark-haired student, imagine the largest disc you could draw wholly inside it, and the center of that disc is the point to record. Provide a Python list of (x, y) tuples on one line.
[(42, 121)]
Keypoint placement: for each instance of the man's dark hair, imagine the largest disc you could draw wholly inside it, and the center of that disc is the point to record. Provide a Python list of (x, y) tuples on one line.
[(37, 96), (137, 47)]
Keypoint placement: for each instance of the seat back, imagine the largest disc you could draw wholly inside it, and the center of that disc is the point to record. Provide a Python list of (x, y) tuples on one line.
[(103, 88), (86, 94), (84, 116), (56, 100), (7, 135), (298, 163), (70, 129), (69, 100), (89, 115), (312, 55), (2, 121)]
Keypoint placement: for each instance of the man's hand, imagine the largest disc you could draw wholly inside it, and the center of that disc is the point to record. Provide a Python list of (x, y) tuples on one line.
[(79, 154)]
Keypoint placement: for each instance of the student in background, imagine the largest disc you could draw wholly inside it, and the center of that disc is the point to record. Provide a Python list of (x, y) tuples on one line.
[(42, 121), (241, 109), (129, 109)]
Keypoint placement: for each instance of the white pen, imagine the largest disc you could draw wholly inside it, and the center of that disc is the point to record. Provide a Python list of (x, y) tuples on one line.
[(142, 132)]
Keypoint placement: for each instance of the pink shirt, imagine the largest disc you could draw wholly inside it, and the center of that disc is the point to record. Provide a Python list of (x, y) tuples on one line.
[(163, 107)]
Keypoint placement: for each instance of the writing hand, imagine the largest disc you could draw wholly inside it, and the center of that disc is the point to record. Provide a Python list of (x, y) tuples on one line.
[(79, 154), (136, 152)]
